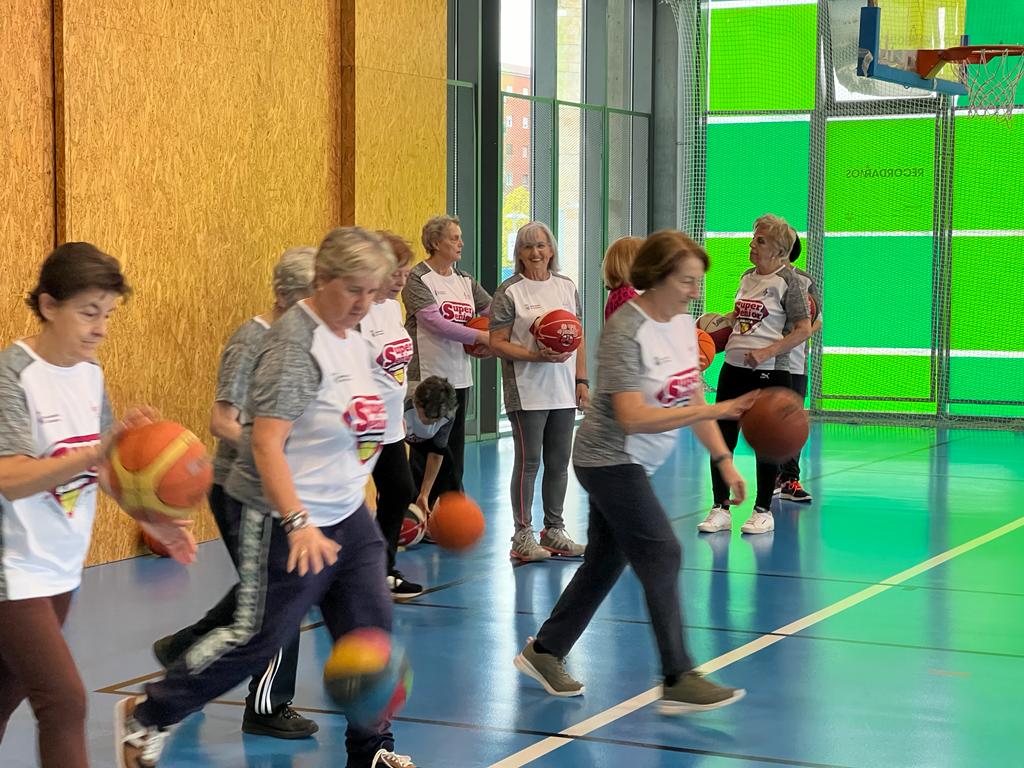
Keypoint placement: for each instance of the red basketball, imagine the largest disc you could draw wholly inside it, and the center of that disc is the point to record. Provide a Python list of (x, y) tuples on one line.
[(480, 324), (705, 348), (456, 522), (776, 425), (813, 306), (717, 326), (413, 527), (559, 330), (160, 467)]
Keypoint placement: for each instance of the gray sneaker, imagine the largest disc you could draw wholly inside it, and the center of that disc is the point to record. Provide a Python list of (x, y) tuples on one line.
[(695, 693), (557, 542), (547, 670), (526, 548)]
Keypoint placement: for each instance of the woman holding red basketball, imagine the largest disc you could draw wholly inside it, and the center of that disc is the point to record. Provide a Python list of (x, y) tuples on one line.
[(439, 300), (770, 319), (543, 390), (648, 387), (315, 426), (55, 430)]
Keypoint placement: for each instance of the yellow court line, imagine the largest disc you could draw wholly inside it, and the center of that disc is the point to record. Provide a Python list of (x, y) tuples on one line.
[(601, 719)]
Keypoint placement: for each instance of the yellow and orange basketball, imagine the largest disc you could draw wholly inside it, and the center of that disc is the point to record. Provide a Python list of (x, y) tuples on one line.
[(160, 467), (705, 349)]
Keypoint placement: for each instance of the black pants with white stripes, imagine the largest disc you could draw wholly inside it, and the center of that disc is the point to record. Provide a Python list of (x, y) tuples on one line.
[(271, 603), (272, 688)]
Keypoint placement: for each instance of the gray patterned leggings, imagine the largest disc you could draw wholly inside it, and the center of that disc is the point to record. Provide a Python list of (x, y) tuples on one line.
[(537, 435)]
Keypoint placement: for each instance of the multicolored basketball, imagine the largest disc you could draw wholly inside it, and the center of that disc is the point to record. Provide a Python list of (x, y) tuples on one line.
[(456, 522), (776, 425), (479, 324), (705, 348), (414, 526), (559, 330), (160, 467), (368, 676), (717, 326)]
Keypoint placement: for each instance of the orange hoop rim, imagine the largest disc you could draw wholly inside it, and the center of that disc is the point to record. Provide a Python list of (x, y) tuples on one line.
[(930, 61)]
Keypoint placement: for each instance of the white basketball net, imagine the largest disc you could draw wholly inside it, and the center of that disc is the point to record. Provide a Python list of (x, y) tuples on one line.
[(992, 84)]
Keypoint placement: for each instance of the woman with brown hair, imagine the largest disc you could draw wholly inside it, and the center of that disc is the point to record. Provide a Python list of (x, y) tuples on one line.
[(648, 387), (56, 428)]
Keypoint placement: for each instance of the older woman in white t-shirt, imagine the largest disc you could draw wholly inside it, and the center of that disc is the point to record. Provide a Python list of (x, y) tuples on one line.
[(439, 300), (55, 428), (542, 388), (770, 318), (648, 387)]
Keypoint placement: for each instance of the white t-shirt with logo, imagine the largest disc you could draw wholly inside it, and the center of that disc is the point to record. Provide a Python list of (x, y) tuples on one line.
[(518, 302), (767, 307), (637, 354), (384, 329), (47, 410), (458, 298), (325, 386)]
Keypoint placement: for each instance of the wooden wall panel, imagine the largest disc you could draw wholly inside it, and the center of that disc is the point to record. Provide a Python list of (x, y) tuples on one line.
[(26, 158), (202, 139)]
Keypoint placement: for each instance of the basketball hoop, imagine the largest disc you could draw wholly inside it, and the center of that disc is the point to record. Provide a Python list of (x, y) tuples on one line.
[(990, 73)]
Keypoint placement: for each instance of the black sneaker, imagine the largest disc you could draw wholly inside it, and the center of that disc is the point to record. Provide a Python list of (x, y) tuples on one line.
[(285, 723), (791, 490), (164, 651), (401, 588)]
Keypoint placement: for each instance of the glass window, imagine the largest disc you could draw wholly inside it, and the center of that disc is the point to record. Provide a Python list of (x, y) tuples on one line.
[(526, 122)]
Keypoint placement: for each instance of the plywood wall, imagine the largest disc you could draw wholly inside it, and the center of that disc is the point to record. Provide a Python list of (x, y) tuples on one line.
[(201, 140), (195, 140), (26, 158)]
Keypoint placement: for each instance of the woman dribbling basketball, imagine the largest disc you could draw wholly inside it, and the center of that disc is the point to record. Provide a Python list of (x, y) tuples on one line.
[(648, 387)]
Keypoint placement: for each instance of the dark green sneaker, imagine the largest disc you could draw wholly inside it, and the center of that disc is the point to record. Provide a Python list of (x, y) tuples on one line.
[(547, 670), (695, 693)]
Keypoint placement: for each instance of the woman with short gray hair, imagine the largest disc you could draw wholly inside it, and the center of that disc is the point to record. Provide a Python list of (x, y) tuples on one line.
[(440, 299), (315, 427), (268, 710)]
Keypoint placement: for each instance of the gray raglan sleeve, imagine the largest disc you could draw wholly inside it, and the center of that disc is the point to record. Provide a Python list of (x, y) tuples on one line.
[(796, 300), (15, 419), (285, 381), (503, 310), (481, 298), (619, 359), (416, 295), (235, 370)]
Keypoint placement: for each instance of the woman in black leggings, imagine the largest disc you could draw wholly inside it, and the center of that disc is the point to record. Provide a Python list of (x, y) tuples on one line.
[(770, 318)]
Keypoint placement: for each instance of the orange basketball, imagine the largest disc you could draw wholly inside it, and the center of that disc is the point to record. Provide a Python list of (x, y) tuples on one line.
[(456, 522), (812, 305), (705, 348), (160, 467), (559, 330), (480, 324), (776, 425), (717, 327)]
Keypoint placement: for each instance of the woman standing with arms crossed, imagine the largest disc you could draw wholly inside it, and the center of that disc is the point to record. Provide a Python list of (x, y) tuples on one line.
[(648, 387), (317, 424), (543, 390), (439, 300), (55, 430), (770, 318), (392, 477)]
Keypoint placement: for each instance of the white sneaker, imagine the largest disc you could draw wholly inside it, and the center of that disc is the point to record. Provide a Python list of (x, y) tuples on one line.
[(136, 745), (761, 521), (385, 759), (526, 548), (718, 519)]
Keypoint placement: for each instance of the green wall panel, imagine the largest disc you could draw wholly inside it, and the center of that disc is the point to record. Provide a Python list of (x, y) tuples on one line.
[(756, 168), (879, 175), (878, 292), (730, 258), (988, 191), (739, 62), (875, 376), (984, 314), (986, 378)]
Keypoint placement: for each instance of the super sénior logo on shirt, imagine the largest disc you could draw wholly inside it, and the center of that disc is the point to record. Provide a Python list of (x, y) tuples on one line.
[(678, 388), (366, 417), (395, 357), (749, 314), (456, 311)]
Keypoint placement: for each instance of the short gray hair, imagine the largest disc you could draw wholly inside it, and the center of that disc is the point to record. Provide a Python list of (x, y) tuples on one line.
[(353, 251), (293, 275), (778, 231), (531, 229), (435, 229)]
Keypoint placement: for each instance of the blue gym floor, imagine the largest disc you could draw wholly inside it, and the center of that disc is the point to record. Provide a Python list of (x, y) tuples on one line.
[(882, 625)]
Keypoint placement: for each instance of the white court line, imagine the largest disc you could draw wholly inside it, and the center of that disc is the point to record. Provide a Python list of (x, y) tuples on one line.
[(601, 719)]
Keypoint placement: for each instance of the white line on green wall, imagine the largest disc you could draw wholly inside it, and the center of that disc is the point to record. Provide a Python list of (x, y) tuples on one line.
[(921, 352)]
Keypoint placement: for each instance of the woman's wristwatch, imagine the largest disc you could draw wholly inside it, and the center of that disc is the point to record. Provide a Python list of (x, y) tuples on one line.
[(584, 382), (716, 460), (295, 520)]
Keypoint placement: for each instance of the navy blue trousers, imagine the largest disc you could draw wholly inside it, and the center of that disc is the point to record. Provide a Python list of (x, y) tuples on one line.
[(271, 604)]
